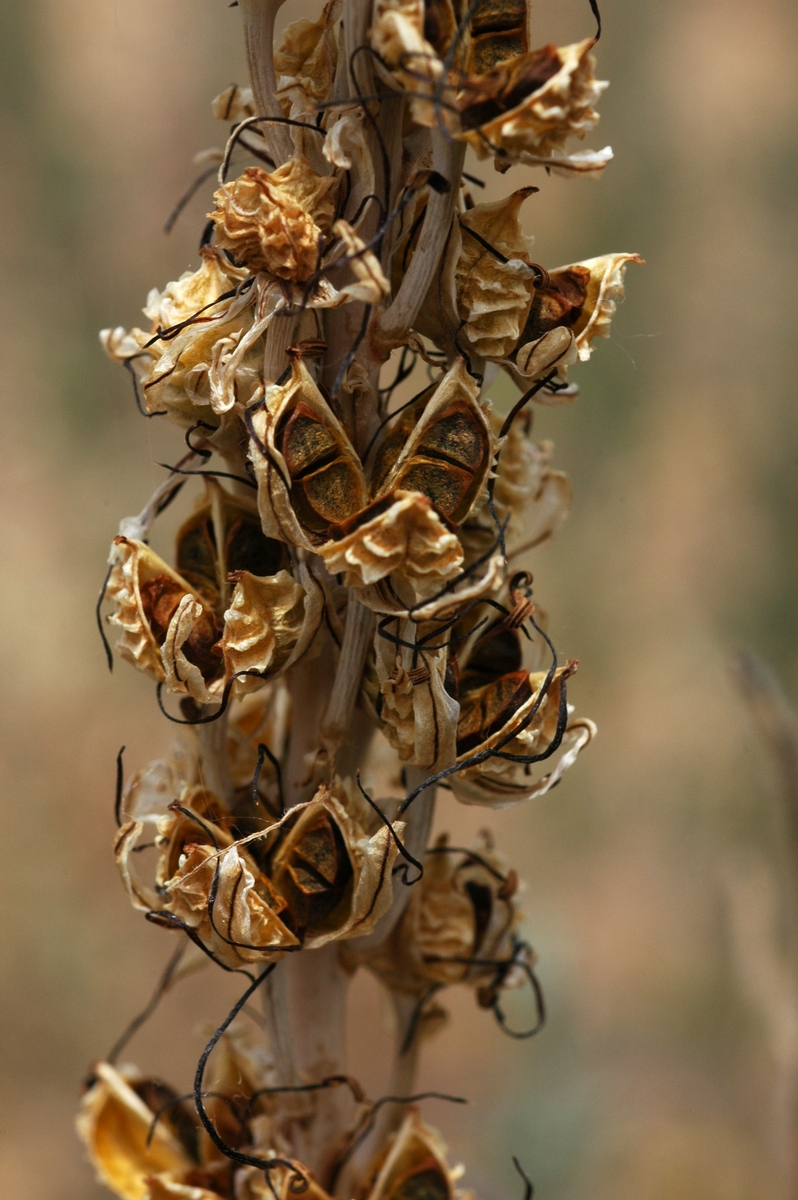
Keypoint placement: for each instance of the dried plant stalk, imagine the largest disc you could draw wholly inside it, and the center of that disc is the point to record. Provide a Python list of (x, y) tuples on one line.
[(340, 620)]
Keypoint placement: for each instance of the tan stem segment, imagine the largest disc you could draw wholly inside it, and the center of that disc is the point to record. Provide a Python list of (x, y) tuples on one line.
[(447, 160), (258, 17)]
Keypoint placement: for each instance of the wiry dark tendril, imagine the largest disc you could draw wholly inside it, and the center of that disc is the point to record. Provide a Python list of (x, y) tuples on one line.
[(168, 920), (127, 363), (503, 967), (529, 1189), (187, 196), (299, 1181), (400, 846), (263, 753), (210, 474), (225, 700), (206, 454), (109, 657), (120, 786)]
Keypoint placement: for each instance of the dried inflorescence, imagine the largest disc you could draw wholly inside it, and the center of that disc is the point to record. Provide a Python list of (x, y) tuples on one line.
[(345, 616)]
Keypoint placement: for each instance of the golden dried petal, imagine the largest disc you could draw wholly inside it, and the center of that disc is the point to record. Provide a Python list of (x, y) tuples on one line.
[(397, 35), (406, 539), (307, 58), (234, 104), (537, 497), (310, 475), (263, 624), (535, 124), (274, 222), (114, 1124), (409, 697)]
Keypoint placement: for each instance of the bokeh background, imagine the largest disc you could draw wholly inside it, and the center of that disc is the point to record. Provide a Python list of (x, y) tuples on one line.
[(654, 896)]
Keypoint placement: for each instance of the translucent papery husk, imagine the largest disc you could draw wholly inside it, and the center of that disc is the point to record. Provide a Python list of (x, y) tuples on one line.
[(499, 783), (296, 418), (274, 222), (576, 306), (391, 597), (114, 1124), (410, 62), (193, 851), (271, 624), (147, 596), (605, 290), (462, 909), (537, 127), (493, 296), (305, 64), (414, 1163), (449, 451), (407, 694), (332, 869), (214, 362)]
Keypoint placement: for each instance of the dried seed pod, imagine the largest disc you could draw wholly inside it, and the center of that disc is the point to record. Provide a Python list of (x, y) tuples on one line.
[(448, 453), (251, 1184), (334, 874), (407, 693), (458, 926), (413, 1166), (527, 108), (309, 477), (212, 357), (173, 622), (114, 1124), (275, 222), (497, 696), (147, 596), (208, 882)]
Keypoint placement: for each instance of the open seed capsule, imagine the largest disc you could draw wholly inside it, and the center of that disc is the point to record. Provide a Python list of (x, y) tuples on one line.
[(309, 475), (448, 451)]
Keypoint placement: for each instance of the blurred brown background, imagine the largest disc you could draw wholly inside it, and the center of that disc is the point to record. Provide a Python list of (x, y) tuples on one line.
[(652, 891)]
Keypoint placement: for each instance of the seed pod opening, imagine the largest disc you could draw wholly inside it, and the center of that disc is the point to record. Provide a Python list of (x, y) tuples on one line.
[(448, 452), (310, 478)]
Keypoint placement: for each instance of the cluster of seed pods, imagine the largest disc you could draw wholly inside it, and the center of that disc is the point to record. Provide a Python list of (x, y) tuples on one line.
[(347, 621)]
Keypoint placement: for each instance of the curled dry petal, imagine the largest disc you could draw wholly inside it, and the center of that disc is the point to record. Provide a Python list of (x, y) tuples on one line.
[(463, 908), (307, 58), (536, 497), (604, 290), (494, 290), (216, 359), (274, 222), (405, 539), (558, 91), (114, 1124), (272, 622)]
